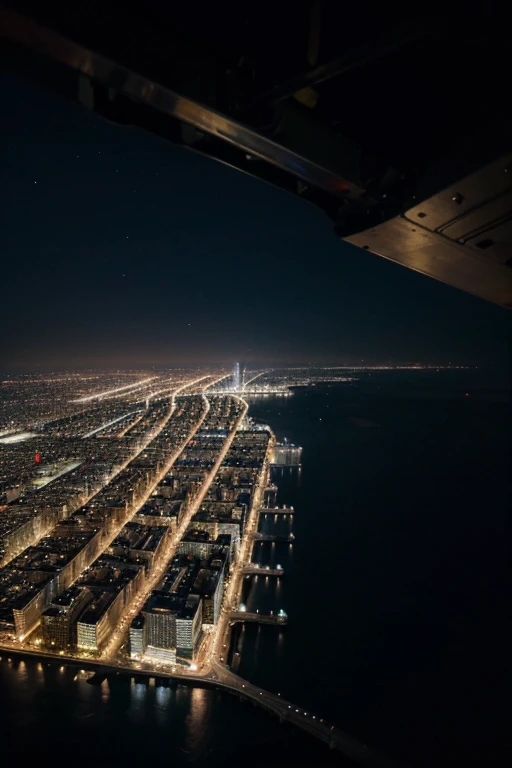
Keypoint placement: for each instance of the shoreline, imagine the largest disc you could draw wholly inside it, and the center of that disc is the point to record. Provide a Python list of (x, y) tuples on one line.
[(333, 737)]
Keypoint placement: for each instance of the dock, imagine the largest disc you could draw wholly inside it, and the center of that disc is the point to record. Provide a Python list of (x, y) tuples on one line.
[(276, 511), (276, 619), (274, 537), (254, 569)]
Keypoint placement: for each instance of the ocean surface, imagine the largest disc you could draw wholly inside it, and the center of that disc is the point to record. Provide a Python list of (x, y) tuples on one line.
[(395, 588)]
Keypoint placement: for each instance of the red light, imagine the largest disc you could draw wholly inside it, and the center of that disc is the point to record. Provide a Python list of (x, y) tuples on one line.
[(467, 394), (38, 458)]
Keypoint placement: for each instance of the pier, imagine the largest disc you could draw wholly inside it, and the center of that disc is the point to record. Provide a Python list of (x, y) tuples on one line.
[(220, 677), (258, 536), (276, 511), (253, 569), (276, 619), (209, 669)]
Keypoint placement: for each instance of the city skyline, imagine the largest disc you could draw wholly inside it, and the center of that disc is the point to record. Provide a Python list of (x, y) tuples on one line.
[(254, 443), (138, 560)]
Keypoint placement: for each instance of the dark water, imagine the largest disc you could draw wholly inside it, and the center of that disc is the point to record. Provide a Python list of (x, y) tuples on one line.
[(395, 589)]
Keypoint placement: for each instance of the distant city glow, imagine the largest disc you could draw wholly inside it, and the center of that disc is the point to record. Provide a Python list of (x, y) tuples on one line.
[(145, 501)]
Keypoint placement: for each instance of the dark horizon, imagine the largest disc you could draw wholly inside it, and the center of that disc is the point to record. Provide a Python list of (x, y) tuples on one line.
[(123, 251)]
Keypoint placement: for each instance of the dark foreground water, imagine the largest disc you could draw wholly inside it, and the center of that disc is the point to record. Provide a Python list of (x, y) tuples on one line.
[(395, 589)]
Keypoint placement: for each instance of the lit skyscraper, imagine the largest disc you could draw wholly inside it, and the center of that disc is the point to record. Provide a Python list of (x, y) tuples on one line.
[(236, 377)]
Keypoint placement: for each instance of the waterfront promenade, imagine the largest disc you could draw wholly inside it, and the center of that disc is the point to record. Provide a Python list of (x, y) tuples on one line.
[(211, 670), (219, 677)]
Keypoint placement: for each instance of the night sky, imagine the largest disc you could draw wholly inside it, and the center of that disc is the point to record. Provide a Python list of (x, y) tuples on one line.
[(119, 249)]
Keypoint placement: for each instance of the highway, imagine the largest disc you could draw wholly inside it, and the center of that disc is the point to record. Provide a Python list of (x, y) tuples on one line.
[(216, 381), (261, 373), (109, 392), (109, 424), (131, 424)]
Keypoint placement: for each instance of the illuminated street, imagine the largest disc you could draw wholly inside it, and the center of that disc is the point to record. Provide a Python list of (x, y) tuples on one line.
[(163, 457), (255, 384), (118, 635), (154, 495)]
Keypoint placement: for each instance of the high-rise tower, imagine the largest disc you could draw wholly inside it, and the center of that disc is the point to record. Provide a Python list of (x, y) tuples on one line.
[(236, 377)]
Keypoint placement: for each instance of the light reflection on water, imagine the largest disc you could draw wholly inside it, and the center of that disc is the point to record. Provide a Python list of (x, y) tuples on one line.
[(262, 647), (163, 696), (315, 682), (105, 692), (280, 644), (86, 691), (165, 700), (137, 698), (198, 723), (257, 643)]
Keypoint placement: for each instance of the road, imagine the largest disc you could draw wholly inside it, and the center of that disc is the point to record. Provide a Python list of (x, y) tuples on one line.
[(261, 373), (141, 446), (211, 667), (213, 648), (108, 392), (286, 711), (220, 677), (109, 424), (116, 639)]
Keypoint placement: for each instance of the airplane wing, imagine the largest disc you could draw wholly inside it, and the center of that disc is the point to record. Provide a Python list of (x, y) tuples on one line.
[(398, 128)]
